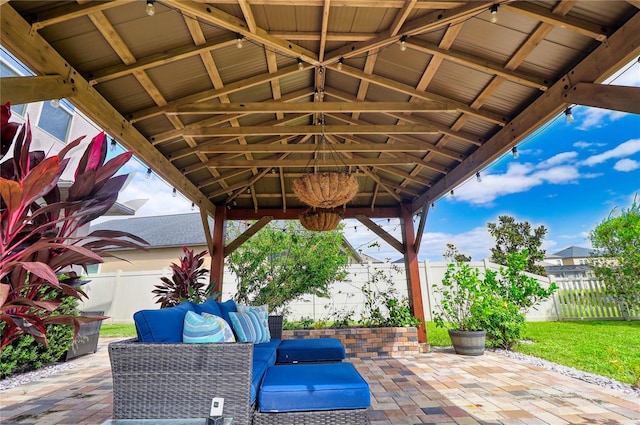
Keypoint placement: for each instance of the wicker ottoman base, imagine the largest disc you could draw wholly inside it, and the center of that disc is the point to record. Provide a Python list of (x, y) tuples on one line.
[(320, 417)]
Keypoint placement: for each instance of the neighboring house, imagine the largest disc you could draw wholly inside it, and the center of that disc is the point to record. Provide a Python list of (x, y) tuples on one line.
[(570, 262), (166, 235)]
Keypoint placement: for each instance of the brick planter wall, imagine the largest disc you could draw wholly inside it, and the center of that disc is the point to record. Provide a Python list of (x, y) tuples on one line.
[(366, 343)]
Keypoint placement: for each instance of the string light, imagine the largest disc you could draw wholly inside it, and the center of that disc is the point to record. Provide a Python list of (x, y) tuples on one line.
[(113, 145), (494, 13), (433, 205), (55, 103), (453, 195), (340, 62), (174, 193), (151, 9), (148, 174), (403, 43), (300, 64), (239, 41), (478, 177), (514, 152), (193, 206), (569, 115)]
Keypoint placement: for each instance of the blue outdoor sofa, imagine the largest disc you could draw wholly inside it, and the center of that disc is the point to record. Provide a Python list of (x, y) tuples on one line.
[(157, 376)]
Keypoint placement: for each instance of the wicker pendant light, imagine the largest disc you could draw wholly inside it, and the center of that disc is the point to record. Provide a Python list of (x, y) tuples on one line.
[(327, 189), (320, 221)]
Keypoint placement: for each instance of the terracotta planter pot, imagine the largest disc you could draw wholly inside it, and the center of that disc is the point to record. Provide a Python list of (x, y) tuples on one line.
[(470, 343)]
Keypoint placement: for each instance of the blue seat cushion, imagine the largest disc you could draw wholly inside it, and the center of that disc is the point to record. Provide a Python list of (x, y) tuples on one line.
[(311, 350), (266, 351), (163, 325), (317, 386), (258, 370)]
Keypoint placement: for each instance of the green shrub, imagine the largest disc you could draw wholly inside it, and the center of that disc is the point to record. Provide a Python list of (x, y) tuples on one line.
[(25, 354)]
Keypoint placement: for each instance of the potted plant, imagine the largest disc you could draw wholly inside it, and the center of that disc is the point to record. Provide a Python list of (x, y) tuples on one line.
[(465, 300), (39, 239)]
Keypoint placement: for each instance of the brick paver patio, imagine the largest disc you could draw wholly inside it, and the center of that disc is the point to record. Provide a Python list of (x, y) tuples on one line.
[(434, 388)]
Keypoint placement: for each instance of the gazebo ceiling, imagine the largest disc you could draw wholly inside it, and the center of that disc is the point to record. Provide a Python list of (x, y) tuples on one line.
[(414, 96)]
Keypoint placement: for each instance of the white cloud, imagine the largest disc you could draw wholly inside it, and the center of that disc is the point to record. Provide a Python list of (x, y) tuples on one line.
[(558, 175), (582, 145), (627, 148), (626, 164), (476, 242), (558, 159), (159, 195), (589, 117)]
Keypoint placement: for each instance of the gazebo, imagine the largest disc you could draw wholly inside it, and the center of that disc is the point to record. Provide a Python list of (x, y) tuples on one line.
[(232, 101)]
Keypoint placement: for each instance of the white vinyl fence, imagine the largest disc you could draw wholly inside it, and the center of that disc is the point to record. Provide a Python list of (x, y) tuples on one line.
[(121, 294)]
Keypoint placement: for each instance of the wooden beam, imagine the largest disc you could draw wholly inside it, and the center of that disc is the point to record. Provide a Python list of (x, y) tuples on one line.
[(209, 237), (217, 17), (255, 228), (381, 232), (293, 213), (423, 222), (273, 107), (541, 13), (310, 129), (616, 98), (19, 90), (213, 93), (622, 47), (32, 50), (262, 163), (411, 91), (480, 64), (217, 254), (309, 147), (412, 271), (73, 11)]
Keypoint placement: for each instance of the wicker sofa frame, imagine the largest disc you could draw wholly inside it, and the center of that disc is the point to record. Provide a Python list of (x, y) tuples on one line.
[(318, 417), (175, 380)]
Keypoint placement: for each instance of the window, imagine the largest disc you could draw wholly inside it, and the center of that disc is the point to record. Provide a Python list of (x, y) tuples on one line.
[(93, 268), (6, 71), (55, 121)]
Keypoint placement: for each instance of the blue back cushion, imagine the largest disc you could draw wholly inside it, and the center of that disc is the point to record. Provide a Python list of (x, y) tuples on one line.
[(226, 308), (211, 307), (163, 325)]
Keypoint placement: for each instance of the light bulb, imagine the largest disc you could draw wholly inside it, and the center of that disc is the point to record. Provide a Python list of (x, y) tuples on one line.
[(340, 62), (494, 13), (569, 115), (148, 174), (113, 145), (403, 43), (193, 206), (151, 9), (478, 177), (433, 205), (514, 152), (300, 64), (453, 195), (174, 193), (55, 103), (239, 41)]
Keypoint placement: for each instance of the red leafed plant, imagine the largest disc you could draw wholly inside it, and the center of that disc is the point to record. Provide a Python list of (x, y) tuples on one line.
[(39, 242), (186, 283)]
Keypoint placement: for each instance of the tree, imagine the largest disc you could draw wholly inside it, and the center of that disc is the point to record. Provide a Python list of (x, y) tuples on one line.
[(453, 255), (616, 260), (283, 262), (513, 237)]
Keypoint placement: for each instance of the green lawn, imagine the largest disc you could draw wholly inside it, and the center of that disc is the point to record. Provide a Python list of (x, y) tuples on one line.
[(608, 348)]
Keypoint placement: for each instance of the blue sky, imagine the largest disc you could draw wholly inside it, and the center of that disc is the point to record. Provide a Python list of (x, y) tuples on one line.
[(568, 177)]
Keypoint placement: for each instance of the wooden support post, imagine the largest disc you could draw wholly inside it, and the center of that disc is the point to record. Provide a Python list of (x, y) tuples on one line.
[(412, 270), (217, 256)]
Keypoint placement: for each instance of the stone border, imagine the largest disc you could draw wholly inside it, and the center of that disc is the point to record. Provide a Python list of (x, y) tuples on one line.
[(366, 343)]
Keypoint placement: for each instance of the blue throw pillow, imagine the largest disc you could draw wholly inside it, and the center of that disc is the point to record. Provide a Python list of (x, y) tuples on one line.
[(249, 327), (211, 307), (199, 329), (262, 311), (163, 325), (226, 328), (226, 308)]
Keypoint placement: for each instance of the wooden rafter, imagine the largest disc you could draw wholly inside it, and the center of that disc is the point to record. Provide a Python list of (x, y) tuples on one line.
[(272, 107)]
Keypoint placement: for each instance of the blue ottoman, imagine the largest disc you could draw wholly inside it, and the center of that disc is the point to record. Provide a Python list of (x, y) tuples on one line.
[(311, 350), (313, 387)]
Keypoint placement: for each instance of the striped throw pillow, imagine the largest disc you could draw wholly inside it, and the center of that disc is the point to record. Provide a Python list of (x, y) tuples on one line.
[(198, 329), (249, 327), (226, 328)]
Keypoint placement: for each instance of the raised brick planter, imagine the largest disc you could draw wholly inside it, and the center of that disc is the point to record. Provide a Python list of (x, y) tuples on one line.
[(365, 343)]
